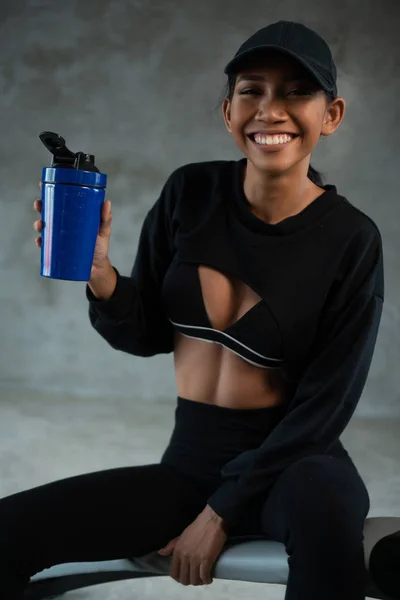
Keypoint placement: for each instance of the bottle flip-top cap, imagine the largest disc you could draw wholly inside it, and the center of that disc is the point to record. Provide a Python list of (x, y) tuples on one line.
[(75, 168), (63, 158)]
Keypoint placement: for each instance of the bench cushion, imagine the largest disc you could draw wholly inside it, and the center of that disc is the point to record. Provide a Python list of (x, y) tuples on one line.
[(253, 559)]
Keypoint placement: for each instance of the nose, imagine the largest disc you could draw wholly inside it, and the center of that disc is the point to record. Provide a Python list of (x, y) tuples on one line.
[(270, 108)]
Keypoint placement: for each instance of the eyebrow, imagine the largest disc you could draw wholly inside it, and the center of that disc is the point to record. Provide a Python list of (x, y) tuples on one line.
[(290, 77)]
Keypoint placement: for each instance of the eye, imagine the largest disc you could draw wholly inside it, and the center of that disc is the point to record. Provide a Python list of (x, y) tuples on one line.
[(248, 92), (301, 92), (296, 92)]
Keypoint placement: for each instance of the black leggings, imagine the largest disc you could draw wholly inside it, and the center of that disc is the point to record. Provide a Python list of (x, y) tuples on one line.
[(317, 508)]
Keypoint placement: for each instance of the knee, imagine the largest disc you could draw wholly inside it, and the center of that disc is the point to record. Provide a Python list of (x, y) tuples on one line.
[(384, 564)]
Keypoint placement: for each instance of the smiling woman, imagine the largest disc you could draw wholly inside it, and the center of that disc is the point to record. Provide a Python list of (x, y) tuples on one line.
[(300, 83), (286, 80), (268, 288)]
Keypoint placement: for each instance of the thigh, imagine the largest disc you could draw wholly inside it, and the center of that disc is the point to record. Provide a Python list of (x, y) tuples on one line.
[(104, 515), (314, 494)]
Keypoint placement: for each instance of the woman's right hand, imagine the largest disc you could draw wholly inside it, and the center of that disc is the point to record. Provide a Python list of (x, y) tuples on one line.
[(100, 258)]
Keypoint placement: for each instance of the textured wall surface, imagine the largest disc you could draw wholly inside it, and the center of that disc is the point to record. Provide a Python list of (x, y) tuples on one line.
[(138, 84)]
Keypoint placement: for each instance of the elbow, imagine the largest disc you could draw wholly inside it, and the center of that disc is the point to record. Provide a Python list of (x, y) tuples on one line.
[(124, 337), (134, 348), (125, 341)]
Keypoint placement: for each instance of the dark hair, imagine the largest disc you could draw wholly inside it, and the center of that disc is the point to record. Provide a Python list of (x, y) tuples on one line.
[(315, 176)]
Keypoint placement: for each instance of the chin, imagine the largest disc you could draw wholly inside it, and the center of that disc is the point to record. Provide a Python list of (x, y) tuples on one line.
[(275, 166), (267, 166)]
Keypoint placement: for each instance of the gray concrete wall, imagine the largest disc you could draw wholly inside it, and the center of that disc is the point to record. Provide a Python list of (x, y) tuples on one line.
[(137, 84)]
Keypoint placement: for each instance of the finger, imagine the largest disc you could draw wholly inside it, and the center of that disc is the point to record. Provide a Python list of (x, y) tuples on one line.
[(166, 550), (184, 576), (37, 205), (38, 241), (40, 185), (106, 210), (195, 573), (170, 546), (175, 567), (205, 573), (106, 214), (109, 213), (38, 226), (106, 219)]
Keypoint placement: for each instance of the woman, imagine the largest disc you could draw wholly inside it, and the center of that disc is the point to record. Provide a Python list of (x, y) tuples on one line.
[(268, 288)]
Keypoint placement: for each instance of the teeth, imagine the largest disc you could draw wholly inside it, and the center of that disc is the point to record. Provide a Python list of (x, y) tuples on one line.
[(272, 139)]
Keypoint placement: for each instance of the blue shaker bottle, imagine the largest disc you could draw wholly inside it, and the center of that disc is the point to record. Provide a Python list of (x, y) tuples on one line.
[(73, 192)]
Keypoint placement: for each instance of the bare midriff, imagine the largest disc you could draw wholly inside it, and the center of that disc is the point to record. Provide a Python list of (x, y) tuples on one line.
[(208, 372)]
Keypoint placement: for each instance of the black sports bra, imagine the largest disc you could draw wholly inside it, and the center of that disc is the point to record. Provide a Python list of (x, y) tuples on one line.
[(255, 337)]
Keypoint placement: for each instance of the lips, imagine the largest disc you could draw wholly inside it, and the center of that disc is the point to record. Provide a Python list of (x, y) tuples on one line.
[(271, 147), (252, 135), (265, 133)]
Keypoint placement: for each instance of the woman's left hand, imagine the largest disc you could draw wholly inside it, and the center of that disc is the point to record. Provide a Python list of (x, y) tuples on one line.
[(196, 549)]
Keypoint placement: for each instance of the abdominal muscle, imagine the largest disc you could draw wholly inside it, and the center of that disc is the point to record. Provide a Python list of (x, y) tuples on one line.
[(209, 373)]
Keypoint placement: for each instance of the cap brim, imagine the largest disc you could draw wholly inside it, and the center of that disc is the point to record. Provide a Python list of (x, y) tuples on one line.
[(233, 65)]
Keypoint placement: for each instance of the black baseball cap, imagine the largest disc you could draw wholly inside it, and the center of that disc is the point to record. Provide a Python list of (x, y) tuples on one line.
[(294, 39)]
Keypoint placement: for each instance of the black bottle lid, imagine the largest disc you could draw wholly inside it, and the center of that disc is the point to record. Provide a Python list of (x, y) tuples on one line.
[(63, 158)]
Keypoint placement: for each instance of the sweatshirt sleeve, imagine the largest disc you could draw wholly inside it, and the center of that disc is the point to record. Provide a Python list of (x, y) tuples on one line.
[(329, 389), (133, 319)]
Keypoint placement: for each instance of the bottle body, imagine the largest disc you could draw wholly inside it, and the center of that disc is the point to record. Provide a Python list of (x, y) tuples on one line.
[(71, 212)]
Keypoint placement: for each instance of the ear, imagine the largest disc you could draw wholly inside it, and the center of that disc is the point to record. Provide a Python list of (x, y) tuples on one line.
[(333, 116), (226, 111)]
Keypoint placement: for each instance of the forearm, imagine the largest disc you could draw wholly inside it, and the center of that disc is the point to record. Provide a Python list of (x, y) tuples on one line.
[(124, 320)]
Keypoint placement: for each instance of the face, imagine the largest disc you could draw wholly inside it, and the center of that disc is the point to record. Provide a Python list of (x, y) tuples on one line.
[(279, 95)]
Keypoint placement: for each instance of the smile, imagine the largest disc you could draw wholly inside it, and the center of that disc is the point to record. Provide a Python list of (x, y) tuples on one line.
[(271, 143)]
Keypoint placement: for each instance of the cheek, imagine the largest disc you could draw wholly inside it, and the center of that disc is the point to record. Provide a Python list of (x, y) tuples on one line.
[(241, 112), (313, 121), (238, 124)]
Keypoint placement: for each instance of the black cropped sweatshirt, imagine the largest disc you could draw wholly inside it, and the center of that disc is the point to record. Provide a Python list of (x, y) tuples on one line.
[(320, 278)]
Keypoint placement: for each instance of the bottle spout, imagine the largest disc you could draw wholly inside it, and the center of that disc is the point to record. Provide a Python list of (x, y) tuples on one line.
[(64, 158)]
